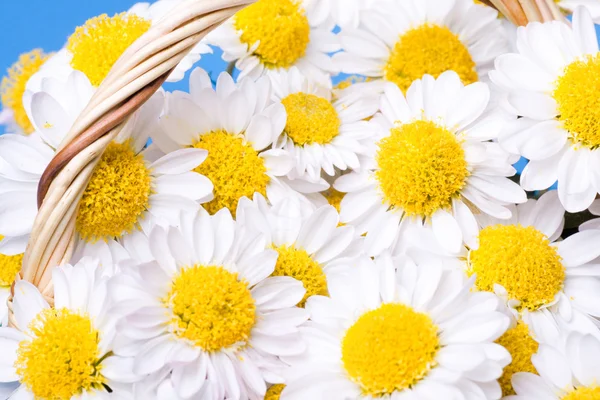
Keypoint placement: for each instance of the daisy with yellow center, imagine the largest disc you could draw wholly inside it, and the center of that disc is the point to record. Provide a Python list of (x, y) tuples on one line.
[(10, 265), (272, 35), (400, 42), (131, 186), (211, 306), (321, 134), (549, 284), (558, 131), (309, 242), (236, 124), (566, 370), (381, 335), (38, 358), (12, 89), (429, 164), (95, 46)]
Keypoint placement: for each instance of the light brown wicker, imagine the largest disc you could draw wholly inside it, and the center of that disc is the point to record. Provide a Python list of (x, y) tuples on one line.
[(139, 72), (134, 78)]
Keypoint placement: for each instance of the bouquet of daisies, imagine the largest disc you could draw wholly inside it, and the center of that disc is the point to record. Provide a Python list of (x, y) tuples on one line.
[(378, 199)]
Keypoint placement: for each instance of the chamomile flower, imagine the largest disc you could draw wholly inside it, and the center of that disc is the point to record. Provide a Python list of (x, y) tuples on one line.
[(429, 160), (206, 320), (10, 265), (593, 223), (344, 13), (237, 125), (555, 91), (401, 41), (65, 351), (310, 244), (549, 283), (391, 329), (95, 46), (566, 370), (272, 35), (13, 114), (321, 134), (593, 6), (130, 187)]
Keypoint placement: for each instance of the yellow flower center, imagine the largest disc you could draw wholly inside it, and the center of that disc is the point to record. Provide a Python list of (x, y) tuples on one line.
[(299, 265), (520, 259), (13, 86), (576, 94), (117, 195), (274, 392), (521, 347), (234, 167), (281, 28), (99, 43), (211, 307), (9, 268), (334, 198), (428, 49), (422, 167), (584, 393), (310, 119), (390, 349), (62, 359)]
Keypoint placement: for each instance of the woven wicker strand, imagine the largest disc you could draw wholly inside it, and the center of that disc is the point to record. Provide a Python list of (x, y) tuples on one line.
[(134, 78), (521, 12)]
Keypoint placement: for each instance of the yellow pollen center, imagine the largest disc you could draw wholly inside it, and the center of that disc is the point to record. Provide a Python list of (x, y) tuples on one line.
[(117, 195), (211, 307), (334, 198), (62, 359), (234, 167), (281, 27), (428, 49), (521, 260), (274, 392), (98, 43), (577, 92), (521, 346), (422, 167), (310, 119), (299, 265), (9, 268), (13, 86), (390, 349), (584, 393)]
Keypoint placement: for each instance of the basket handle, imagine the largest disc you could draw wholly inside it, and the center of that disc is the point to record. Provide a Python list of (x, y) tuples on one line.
[(521, 12), (133, 79)]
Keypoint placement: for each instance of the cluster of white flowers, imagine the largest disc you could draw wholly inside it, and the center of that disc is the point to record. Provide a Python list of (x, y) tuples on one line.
[(279, 236)]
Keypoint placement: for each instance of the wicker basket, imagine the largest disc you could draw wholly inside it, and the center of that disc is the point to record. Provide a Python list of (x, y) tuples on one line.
[(134, 78)]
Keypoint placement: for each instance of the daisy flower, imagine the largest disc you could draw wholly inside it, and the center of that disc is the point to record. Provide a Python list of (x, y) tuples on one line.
[(13, 114), (237, 125), (10, 265), (401, 41), (310, 244), (95, 46), (344, 13), (272, 35), (555, 92), (448, 169), (63, 351), (206, 320), (566, 370), (551, 284), (593, 7), (394, 330), (130, 187), (320, 133)]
